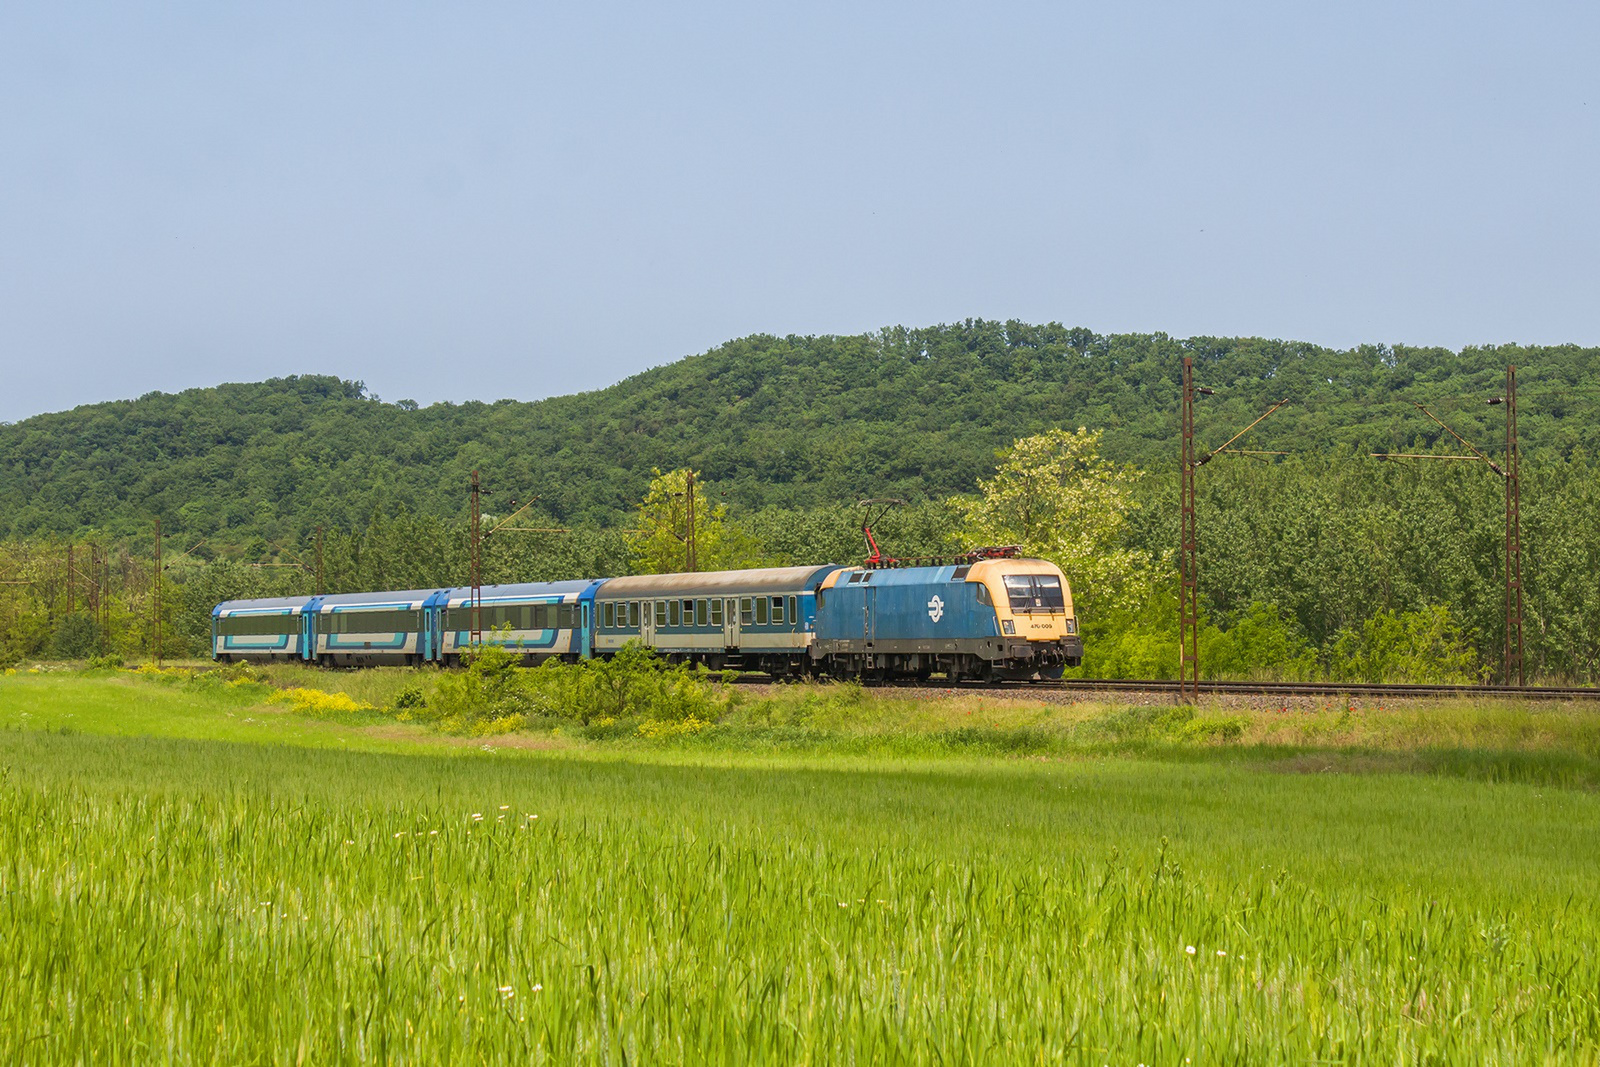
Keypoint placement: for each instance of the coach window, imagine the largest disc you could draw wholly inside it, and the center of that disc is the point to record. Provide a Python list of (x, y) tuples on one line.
[(688, 613), (701, 612), (746, 611), (675, 613), (633, 614), (716, 612), (661, 613), (794, 616), (777, 611), (608, 616), (761, 611)]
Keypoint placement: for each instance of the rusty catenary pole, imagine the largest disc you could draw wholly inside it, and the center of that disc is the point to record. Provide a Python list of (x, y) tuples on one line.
[(155, 600), (477, 561), (689, 554), (1513, 475), (1188, 581)]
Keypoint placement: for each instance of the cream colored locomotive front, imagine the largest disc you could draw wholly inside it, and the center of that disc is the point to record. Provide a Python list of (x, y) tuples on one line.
[(1031, 599)]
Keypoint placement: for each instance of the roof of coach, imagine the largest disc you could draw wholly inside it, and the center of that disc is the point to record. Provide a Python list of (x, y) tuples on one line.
[(518, 591), (276, 603), (415, 597), (718, 583)]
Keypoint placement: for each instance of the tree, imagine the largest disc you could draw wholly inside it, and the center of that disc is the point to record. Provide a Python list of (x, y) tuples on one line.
[(658, 540), (1056, 498)]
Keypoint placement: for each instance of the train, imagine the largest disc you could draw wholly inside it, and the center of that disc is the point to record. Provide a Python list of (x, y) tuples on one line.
[(987, 616)]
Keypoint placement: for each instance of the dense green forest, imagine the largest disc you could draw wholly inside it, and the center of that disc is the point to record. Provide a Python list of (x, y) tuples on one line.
[(1316, 563), (768, 421)]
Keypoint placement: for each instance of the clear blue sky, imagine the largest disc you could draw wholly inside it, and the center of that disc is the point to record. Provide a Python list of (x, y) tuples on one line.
[(481, 200)]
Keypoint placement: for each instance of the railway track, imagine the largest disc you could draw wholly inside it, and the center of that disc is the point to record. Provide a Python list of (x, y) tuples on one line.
[(1298, 689), (1329, 689)]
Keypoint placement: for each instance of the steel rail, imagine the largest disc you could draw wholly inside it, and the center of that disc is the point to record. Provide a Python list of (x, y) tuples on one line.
[(1173, 687), (1330, 689)]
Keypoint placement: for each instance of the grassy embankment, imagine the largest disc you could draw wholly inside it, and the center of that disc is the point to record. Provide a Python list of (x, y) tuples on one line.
[(345, 886)]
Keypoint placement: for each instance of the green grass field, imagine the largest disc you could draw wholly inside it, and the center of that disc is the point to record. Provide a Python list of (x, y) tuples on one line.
[(189, 874)]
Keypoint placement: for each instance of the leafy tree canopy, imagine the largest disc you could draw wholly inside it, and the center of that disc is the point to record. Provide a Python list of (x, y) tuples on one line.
[(660, 535), (770, 422)]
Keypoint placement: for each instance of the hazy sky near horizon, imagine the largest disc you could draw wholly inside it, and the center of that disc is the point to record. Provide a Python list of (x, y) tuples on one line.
[(483, 200)]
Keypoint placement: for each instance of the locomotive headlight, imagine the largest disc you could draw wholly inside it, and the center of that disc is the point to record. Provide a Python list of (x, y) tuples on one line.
[(1072, 626)]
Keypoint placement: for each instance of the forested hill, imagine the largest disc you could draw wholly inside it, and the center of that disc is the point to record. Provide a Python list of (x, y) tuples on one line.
[(767, 420)]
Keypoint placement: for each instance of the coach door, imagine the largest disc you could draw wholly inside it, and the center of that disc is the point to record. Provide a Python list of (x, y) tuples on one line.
[(647, 623), (730, 622)]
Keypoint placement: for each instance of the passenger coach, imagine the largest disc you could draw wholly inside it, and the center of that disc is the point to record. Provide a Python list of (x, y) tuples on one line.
[(754, 620), (272, 629), (367, 629), (540, 620)]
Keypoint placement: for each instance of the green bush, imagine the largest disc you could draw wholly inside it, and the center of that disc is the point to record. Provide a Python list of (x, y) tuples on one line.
[(1415, 646), (76, 637), (634, 684), (492, 687), (411, 698)]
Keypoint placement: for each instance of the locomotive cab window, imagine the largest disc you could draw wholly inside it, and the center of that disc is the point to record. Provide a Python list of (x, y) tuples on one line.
[(1035, 592), (983, 595)]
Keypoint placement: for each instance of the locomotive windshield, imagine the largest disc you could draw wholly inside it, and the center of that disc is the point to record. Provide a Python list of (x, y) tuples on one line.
[(1035, 592)]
